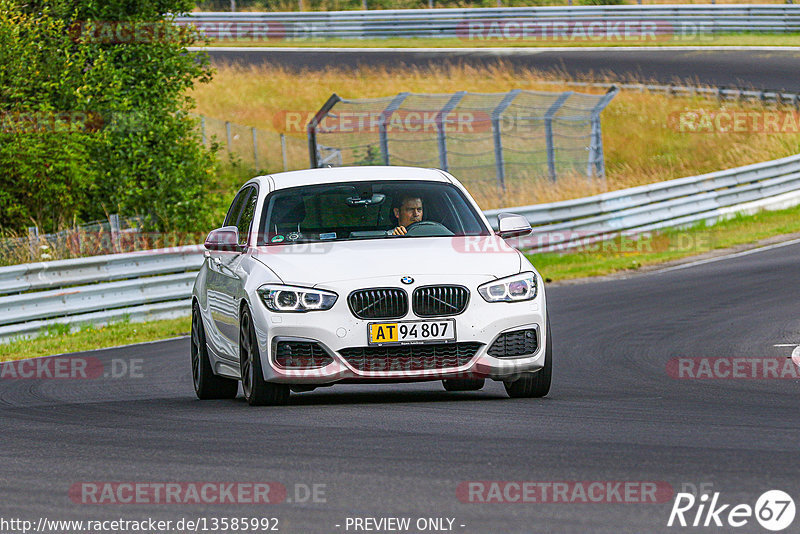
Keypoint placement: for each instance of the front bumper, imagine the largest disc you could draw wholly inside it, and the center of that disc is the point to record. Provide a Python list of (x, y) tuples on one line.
[(337, 329)]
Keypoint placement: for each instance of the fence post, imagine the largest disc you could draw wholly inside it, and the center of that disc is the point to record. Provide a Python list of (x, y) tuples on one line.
[(283, 152), (113, 226), (596, 165), (33, 240), (396, 102), (228, 134), (203, 129), (441, 118), (548, 133), (498, 141), (255, 149), (313, 155)]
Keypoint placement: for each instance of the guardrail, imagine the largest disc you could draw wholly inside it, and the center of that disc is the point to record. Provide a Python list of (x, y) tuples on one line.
[(63, 273), (722, 94), (674, 203), (138, 286), (157, 284), (689, 20)]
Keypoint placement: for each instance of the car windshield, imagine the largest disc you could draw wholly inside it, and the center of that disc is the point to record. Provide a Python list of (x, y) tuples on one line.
[(367, 210)]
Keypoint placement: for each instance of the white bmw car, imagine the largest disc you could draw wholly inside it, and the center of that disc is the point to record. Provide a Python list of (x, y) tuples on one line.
[(365, 275)]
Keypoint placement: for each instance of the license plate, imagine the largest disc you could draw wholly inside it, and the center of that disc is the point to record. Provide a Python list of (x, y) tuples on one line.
[(412, 332)]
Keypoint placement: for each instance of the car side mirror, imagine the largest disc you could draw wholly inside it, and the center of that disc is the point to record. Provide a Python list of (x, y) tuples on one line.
[(224, 239), (511, 225)]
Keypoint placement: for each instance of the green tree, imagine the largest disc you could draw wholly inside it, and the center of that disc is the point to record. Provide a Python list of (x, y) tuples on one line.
[(44, 163), (122, 68)]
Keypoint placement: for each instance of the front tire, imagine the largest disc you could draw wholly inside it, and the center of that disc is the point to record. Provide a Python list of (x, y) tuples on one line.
[(533, 385), (257, 391), (207, 385)]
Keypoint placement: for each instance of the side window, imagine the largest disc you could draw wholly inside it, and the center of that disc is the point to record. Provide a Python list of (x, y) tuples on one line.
[(236, 208), (248, 212)]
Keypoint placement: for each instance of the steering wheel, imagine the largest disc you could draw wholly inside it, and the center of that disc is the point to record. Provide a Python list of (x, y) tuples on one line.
[(427, 228)]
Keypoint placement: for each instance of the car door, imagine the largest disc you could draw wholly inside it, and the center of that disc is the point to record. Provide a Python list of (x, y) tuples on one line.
[(224, 282), (231, 277)]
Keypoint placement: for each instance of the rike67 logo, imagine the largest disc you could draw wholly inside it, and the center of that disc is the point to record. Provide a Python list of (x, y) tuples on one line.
[(774, 510)]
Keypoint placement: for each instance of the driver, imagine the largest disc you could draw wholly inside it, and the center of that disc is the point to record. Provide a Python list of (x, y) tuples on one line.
[(407, 212)]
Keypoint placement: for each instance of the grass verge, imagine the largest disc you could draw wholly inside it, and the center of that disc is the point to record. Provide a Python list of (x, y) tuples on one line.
[(621, 254), (733, 39), (58, 339)]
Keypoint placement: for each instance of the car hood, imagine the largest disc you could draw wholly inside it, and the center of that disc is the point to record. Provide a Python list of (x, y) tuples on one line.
[(312, 264)]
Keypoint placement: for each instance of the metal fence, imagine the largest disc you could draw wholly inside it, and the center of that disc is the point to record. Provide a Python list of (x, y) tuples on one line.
[(116, 235), (90, 239), (514, 136), (688, 21), (269, 151), (261, 150)]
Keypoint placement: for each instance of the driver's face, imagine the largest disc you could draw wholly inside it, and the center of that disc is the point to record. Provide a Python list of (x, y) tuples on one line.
[(409, 212)]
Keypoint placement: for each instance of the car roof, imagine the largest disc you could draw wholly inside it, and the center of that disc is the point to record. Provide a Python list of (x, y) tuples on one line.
[(352, 174)]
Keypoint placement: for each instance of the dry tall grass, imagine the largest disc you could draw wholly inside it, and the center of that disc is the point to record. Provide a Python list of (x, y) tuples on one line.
[(642, 143)]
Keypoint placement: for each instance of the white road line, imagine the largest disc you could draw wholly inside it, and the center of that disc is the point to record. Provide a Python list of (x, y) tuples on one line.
[(786, 345), (728, 256)]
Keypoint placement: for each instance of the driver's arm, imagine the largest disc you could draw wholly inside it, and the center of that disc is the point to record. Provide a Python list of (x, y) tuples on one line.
[(400, 230)]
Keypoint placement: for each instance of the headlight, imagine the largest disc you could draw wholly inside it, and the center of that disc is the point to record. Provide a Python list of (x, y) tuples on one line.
[(296, 299), (510, 289)]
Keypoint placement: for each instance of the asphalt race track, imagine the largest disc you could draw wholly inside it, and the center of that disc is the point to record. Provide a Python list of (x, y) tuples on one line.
[(614, 414), (741, 68)]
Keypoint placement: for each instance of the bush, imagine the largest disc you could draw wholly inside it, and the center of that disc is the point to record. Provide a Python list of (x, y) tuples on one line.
[(95, 115)]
